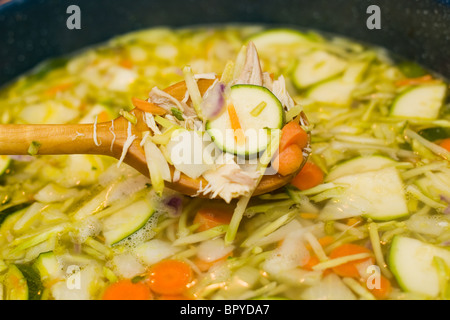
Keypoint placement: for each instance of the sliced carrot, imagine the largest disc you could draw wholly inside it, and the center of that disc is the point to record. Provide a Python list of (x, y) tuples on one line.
[(309, 176), (236, 125), (312, 261), (173, 297), (103, 116), (288, 161), (326, 240), (58, 88), (126, 63), (383, 290), (127, 290), (148, 106), (354, 221), (349, 269), (291, 133), (414, 81), (212, 216), (445, 144), (170, 277), (308, 215)]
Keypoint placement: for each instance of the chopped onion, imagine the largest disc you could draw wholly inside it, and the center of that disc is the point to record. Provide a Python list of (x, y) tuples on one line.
[(213, 103), (214, 249)]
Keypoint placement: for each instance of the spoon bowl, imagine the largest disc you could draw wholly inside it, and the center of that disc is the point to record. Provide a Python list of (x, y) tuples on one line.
[(109, 138)]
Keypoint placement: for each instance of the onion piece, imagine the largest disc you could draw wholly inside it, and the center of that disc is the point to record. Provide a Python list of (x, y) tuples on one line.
[(214, 100)]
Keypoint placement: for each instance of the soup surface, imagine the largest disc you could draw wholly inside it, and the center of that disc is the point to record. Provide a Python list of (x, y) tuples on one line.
[(367, 217)]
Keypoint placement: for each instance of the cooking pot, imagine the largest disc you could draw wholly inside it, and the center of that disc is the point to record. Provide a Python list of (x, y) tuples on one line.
[(34, 30)]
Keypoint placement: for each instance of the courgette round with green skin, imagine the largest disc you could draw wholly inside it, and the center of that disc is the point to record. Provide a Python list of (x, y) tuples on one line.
[(317, 66), (245, 98), (420, 102), (333, 91), (411, 262), (358, 165), (377, 194), (279, 37), (4, 163), (22, 282), (126, 221)]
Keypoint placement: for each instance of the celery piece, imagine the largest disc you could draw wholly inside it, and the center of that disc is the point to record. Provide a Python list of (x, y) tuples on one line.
[(258, 109), (177, 113), (34, 148), (129, 116)]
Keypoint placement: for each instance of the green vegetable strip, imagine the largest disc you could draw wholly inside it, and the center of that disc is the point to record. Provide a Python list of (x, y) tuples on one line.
[(258, 109), (338, 261), (227, 74), (129, 116), (236, 219), (267, 229), (201, 236), (34, 148), (193, 90), (443, 272), (375, 240), (243, 201)]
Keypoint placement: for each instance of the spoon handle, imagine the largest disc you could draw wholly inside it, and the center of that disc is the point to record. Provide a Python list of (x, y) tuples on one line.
[(15, 139)]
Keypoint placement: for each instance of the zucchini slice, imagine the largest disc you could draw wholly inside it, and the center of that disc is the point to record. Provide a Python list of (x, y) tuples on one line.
[(126, 221), (16, 287), (245, 99), (48, 266), (4, 163), (335, 91), (279, 37), (411, 262), (375, 194), (317, 66), (359, 165), (22, 282), (421, 102)]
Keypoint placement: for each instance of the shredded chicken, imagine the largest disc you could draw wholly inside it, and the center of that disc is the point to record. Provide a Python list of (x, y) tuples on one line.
[(150, 122), (280, 91), (267, 80), (166, 101), (229, 181), (251, 72)]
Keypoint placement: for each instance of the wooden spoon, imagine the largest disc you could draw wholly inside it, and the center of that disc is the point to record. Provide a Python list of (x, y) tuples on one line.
[(57, 139)]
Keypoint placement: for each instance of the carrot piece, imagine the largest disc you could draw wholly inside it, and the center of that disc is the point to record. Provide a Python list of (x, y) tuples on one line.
[(57, 88), (445, 144), (209, 217), (383, 290), (353, 221), (148, 106), (288, 161), (309, 176), (103, 116), (326, 240), (349, 269), (126, 63), (236, 125), (312, 261), (170, 277), (173, 297), (127, 290), (291, 133), (414, 81), (308, 215)]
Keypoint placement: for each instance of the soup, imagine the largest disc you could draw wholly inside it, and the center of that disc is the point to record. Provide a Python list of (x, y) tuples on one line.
[(366, 217)]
